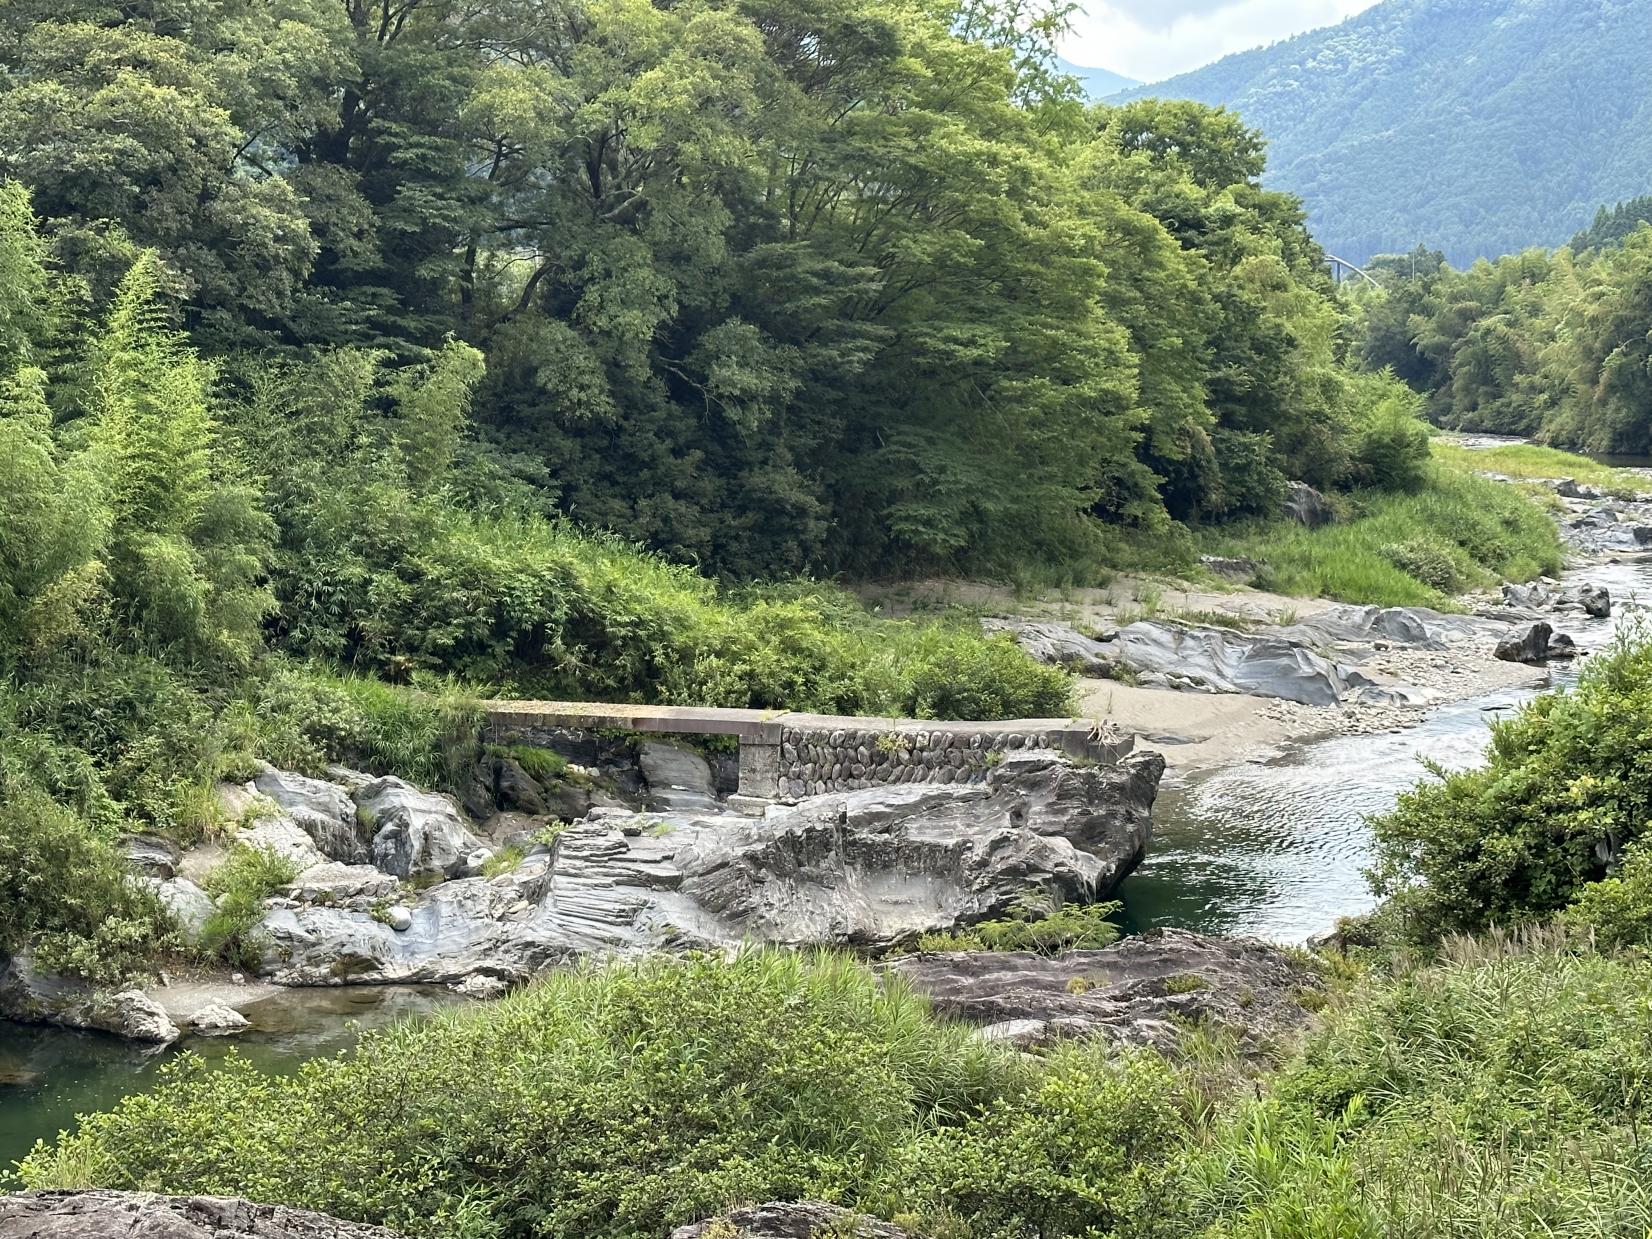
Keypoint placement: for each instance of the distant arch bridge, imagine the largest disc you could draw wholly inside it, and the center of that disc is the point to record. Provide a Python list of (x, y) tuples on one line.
[(1341, 268)]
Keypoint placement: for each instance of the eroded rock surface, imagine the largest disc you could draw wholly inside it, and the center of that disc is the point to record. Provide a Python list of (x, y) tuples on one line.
[(415, 834), (323, 810), (800, 1219), (32, 997), (140, 1215), (1219, 660), (1143, 990), (867, 868), (1060, 645)]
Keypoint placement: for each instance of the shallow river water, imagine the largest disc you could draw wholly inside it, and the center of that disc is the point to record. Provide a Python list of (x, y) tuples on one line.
[(1272, 849)]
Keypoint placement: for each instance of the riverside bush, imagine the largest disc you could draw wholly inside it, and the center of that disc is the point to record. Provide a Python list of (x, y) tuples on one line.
[(66, 894), (240, 885), (1408, 549), (1565, 788), (626, 1100)]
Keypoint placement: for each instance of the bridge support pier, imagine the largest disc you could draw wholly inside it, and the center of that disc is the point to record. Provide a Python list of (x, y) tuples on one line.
[(759, 768)]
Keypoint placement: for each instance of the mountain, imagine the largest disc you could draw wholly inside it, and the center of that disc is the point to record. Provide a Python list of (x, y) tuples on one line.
[(1474, 126), (1098, 83)]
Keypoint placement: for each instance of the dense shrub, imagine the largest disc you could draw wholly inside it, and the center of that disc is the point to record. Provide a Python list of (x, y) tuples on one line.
[(1617, 911), (240, 885), (1566, 786), (66, 895), (626, 1100)]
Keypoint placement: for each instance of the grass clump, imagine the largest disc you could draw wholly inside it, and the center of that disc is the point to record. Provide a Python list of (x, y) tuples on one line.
[(1458, 532), (240, 885), (1030, 928)]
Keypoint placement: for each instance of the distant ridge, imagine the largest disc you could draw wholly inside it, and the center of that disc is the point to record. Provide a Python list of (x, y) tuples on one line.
[(1477, 127), (1098, 83)]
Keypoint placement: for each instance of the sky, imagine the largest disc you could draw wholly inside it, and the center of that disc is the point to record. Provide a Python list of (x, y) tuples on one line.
[(1155, 39)]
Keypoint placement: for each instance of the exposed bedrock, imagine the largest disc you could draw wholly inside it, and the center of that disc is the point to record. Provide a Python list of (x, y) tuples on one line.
[(1144, 990), (141, 1215), (871, 868)]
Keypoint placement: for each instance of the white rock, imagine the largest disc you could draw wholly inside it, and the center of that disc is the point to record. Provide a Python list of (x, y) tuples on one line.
[(399, 918), (217, 1020), (481, 986)]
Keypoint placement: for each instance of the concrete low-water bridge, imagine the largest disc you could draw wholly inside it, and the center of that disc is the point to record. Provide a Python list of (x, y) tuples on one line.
[(786, 754)]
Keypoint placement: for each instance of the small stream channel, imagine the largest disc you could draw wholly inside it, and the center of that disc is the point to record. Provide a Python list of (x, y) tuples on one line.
[(1272, 849)]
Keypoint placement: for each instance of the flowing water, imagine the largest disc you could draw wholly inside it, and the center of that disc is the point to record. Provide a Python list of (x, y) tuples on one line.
[(1276, 849), (1273, 849)]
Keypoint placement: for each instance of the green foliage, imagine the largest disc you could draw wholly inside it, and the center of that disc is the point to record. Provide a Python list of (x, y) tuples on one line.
[(66, 895), (1617, 911), (240, 885), (1551, 346), (304, 717), (617, 1101), (1563, 792), (1459, 531), (1070, 927), (1499, 1093)]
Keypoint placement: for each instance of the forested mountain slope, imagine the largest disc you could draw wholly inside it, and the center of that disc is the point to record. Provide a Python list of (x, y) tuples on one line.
[(1479, 127)]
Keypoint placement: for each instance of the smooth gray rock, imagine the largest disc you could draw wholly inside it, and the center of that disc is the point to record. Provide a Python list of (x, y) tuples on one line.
[(1240, 570), (416, 834), (1418, 627), (32, 997), (870, 868), (218, 1020), (324, 811), (1306, 506), (1061, 645), (399, 918), (678, 778), (1533, 596), (333, 882), (190, 906), (141, 1215), (153, 856), (283, 836), (1143, 990), (801, 1219), (1219, 660), (1571, 488)]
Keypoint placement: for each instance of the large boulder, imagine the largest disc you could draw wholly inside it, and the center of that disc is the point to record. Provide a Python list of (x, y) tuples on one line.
[(1144, 990), (141, 1215), (286, 838), (324, 811), (153, 856), (871, 868), (1596, 600), (415, 834), (1534, 643), (190, 906), (32, 997), (1306, 506), (791, 1219), (678, 778)]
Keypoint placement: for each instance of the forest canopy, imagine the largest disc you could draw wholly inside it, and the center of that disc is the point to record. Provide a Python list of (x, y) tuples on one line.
[(853, 286)]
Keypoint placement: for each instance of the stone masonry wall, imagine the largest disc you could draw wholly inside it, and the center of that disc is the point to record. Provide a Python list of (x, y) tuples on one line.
[(814, 761)]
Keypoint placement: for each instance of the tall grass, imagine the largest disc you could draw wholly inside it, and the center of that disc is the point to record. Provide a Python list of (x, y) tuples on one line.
[(1458, 533), (1529, 462)]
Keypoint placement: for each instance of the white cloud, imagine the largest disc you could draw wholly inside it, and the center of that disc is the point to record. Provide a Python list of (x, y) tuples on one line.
[(1156, 39)]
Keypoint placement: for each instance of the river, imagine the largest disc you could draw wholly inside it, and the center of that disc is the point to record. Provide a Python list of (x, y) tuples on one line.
[(1271, 849)]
